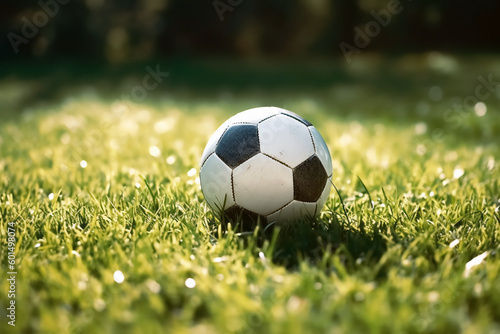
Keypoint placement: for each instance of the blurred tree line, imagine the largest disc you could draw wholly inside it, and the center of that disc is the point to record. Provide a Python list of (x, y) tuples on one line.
[(121, 31)]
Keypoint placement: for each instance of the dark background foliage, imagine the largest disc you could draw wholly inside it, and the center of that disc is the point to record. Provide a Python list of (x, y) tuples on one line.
[(135, 30)]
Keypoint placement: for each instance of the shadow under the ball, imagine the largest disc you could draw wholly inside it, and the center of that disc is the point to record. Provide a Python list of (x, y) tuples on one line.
[(312, 240), (308, 240)]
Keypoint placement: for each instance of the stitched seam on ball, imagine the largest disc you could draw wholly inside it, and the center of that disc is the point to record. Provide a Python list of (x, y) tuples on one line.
[(232, 188), (298, 120), (281, 207), (312, 139), (258, 140), (242, 123), (268, 117), (311, 201), (222, 135), (203, 163), (284, 164), (293, 184)]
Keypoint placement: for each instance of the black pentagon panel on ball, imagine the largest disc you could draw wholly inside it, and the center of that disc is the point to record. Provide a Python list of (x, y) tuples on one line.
[(309, 180), (243, 219), (297, 117), (239, 143)]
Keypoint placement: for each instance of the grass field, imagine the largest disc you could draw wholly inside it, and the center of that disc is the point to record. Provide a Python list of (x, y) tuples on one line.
[(113, 236)]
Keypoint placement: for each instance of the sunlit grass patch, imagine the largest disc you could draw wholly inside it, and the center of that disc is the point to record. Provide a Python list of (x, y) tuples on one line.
[(114, 235)]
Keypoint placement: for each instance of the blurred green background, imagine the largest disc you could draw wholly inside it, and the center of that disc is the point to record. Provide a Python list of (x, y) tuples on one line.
[(137, 30), (402, 60)]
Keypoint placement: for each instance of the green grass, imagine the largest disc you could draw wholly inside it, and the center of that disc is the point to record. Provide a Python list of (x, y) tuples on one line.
[(386, 267)]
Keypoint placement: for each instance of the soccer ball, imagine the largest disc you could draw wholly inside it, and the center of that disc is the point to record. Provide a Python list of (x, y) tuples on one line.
[(266, 163)]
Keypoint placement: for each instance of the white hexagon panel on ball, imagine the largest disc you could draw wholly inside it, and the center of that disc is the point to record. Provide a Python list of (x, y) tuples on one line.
[(262, 185), (285, 139), (216, 184)]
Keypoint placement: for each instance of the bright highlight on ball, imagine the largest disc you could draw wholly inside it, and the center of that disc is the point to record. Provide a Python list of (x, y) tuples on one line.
[(266, 163)]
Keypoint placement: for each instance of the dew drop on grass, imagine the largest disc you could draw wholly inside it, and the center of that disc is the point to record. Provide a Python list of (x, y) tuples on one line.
[(190, 283), (262, 257), (37, 245), (409, 194), (433, 296), (451, 156), (51, 196), (491, 163), (153, 286), (293, 304), (118, 277), (99, 304), (164, 125), (384, 163), (421, 149), (82, 285), (192, 172), (359, 296), (154, 151), (371, 155), (469, 266), (454, 243), (480, 109), (83, 164), (278, 278), (420, 128), (478, 289), (170, 160), (137, 185), (253, 288), (458, 172)]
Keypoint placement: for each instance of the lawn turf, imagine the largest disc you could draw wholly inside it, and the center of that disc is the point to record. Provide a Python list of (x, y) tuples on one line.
[(95, 187)]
